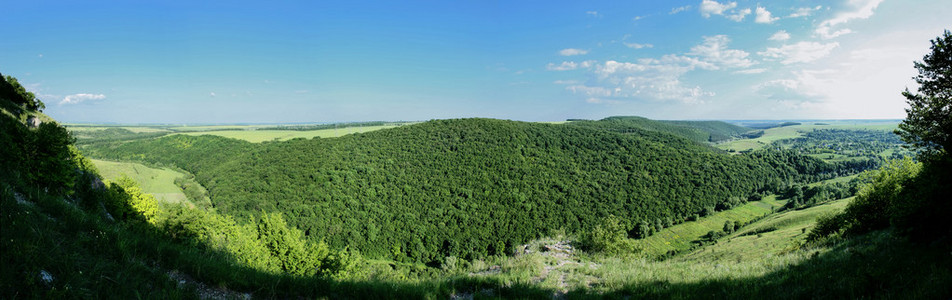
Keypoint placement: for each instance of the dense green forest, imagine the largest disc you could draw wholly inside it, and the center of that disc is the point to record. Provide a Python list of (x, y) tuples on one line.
[(471, 187), (699, 131)]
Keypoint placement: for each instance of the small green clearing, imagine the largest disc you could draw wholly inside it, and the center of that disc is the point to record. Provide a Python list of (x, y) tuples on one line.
[(158, 182)]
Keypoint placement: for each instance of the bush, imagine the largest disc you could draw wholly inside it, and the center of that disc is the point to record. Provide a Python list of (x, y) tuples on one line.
[(609, 237), (827, 225), (125, 201), (872, 207)]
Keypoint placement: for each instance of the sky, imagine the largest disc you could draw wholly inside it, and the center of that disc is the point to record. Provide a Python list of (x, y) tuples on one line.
[(340, 61)]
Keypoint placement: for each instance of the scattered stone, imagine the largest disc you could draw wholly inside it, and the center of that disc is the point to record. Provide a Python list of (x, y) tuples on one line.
[(33, 122), (21, 199), (46, 277), (205, 291)]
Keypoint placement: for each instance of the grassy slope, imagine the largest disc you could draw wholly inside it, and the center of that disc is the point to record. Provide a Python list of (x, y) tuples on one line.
[(158, 182), (257, 136), (791, 228), (679, 237), (744, 267)]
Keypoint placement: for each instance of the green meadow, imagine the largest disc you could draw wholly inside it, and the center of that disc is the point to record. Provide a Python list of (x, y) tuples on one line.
[(158, 182)]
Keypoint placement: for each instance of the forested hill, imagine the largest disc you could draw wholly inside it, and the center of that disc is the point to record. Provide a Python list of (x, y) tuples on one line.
[(469, 187), (699, 131)]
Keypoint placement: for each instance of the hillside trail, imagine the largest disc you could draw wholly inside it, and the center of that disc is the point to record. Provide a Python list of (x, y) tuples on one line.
[(562, 265)]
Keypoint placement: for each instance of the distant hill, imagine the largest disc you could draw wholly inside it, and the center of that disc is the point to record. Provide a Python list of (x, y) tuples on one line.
[(469, 187), (699, 131)]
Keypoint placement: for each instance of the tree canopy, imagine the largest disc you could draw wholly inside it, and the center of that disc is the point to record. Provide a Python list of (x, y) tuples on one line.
[(928, 123), (468, 188)]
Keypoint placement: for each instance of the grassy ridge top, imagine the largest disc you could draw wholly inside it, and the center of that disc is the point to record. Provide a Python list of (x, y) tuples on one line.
[(466, 187)]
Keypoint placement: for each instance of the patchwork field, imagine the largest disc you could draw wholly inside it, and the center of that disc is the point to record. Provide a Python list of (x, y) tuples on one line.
[(789, 132), (257, 136), (158, 182)]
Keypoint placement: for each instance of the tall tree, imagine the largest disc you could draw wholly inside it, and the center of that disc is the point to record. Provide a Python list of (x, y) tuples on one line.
[(928, 123)]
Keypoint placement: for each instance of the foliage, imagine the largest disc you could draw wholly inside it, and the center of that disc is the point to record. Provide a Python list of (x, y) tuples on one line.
[(928, 123), (877, 204), (126, 201), (308, 127), (13, 91), (870, 145), (874, 204), (609, 237), (467, 188), (112, 135), (829, 224), (698, 131)]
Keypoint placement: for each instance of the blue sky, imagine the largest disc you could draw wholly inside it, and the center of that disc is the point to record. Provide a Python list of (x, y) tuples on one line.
[(323, 61)]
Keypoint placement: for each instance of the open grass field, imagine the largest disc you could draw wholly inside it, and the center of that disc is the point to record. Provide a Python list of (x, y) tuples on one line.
[(257, 136), (679, 237), (158, 182), (777, 232), (789, 132)]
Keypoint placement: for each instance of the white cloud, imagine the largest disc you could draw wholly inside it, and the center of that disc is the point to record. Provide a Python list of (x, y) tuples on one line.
[(781, 35), (750, 71), (764, 16), (714, 51), (862, 9), (650, 79), (572, 51), (594, 100), (804, 11), (800, 52), (710, 7), (739, 16), (592, 13), (565, 66), (638, 46), (212, 94), (565, 82), (636, 18), (793, 93), (569, 65), (594, 91), (679, 9), (79, 98)]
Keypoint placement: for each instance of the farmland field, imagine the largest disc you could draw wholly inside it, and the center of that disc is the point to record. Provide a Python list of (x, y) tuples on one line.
[(257, 136), (158, 182)]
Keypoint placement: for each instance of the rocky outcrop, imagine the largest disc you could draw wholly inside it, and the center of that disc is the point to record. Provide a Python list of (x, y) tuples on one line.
[(33, 122)]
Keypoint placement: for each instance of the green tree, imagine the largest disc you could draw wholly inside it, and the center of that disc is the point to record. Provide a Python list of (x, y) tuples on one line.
[(928, 123), (126, 201), (27, 98)]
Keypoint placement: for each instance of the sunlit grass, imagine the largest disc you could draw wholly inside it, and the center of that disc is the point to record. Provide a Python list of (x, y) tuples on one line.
[(158, 182)]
